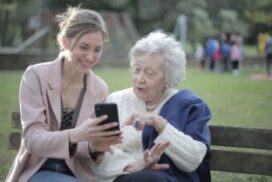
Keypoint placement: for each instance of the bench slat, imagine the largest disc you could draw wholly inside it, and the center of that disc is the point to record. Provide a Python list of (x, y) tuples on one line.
[(16, 120), (241, 137), (241, 162), (14, 140)]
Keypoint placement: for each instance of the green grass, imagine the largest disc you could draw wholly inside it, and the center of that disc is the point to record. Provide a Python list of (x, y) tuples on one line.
[(9, 82), (234, 100)]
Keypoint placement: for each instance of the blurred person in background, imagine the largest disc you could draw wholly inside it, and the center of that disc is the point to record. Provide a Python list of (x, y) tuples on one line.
[(211, 49), (268, 54), (235, 57), (200, 55), (225, 44)]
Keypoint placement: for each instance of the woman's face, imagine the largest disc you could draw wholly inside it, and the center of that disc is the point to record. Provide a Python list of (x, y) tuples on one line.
[(149, 77), (85, 52)]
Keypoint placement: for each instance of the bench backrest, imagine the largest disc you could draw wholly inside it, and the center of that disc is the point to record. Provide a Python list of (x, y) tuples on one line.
[(234, 149), (242, 150), (15, 136)]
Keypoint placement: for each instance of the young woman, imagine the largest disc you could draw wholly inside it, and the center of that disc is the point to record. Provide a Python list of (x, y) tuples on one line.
[(61, 136)]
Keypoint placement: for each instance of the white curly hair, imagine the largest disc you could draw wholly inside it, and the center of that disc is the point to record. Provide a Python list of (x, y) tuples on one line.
[(170, 49)]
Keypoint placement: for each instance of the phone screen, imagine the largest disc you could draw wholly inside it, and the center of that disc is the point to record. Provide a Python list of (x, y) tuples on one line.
[(109, 109)]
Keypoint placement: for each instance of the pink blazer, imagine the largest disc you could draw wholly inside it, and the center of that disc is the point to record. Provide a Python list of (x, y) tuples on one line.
[(40, 109)]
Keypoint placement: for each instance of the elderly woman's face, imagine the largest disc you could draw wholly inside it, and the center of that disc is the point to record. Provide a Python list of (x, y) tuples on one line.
[(148, 77)]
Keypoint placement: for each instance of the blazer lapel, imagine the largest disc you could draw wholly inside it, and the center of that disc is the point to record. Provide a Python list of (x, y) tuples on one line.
[(54, 90), (55, 103)]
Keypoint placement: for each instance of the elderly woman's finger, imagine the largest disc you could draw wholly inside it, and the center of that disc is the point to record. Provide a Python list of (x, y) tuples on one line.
[(163, 146), (129, 120), (159, 148), (160, 166)]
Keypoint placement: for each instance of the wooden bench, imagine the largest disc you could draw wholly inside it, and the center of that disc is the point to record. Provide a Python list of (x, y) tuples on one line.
[(241, 150), (15, 136), (234, 149)]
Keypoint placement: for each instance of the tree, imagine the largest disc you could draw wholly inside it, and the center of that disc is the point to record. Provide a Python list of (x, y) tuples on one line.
[(6, 9)]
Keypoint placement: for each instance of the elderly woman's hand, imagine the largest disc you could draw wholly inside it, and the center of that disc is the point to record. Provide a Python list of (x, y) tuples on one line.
[(140, 119), (133, 167), (151, 158), (153, 155)]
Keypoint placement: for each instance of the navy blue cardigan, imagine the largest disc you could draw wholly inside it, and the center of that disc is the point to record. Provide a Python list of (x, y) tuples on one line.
[(189, 114)]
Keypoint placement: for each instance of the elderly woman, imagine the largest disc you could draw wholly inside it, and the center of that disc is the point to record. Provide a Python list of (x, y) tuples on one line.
[(154, 112)]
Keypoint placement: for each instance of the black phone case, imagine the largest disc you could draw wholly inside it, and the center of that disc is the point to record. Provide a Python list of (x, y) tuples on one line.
[(109, 109)]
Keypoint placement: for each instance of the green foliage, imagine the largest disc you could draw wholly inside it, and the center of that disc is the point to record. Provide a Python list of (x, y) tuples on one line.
[(186, 7), (228, 20), (8, 6), (255, 12), (204, 17), (203, 26), (116, 4)]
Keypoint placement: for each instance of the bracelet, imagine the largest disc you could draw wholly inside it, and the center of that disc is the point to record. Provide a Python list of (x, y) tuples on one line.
[(72, 148), (93, 154)]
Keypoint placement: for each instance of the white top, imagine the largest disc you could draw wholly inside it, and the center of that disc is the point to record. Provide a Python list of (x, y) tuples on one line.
[(185, 152)]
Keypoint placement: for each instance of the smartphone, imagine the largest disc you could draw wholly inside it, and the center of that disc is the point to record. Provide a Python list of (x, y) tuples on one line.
[(109, 109)]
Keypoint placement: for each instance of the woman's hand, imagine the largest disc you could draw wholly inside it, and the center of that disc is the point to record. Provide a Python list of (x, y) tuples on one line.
[(96, 134), (104, 144), (153, 155), (140, 119)]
